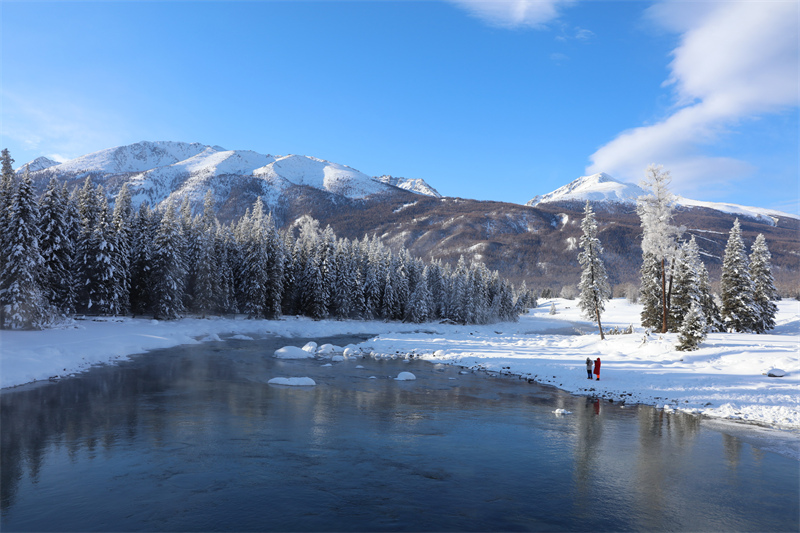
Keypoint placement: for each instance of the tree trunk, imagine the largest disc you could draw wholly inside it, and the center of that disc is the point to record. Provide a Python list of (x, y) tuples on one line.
[(663, 297), (599, 325)]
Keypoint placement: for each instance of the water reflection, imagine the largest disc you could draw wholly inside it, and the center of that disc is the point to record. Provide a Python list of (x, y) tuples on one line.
[(193, 438)]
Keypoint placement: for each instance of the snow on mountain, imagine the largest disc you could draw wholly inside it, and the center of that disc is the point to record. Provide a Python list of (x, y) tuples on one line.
[(418, 185), (321, 174), (212, 161), (192, 177), (603, 188), (138, 157), (596, 188), (768, 216), (164, 170), (40, 163)]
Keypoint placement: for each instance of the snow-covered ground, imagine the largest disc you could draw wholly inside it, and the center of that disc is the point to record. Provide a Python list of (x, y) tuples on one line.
[(725, 378)]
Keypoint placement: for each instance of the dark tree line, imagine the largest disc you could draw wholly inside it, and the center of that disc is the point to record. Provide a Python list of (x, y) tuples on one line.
[(70, 252)]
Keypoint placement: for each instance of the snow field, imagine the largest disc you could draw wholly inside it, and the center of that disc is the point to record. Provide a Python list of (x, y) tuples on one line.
[(725, 378)]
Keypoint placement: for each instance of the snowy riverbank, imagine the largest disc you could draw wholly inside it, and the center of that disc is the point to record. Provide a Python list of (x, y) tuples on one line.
[(724, 379)]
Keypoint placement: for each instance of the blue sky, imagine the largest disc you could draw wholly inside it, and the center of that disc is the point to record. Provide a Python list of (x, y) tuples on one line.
[(488, 100)]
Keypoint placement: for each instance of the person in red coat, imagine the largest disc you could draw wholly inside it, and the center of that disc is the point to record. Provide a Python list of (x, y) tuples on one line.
[(597, 368)]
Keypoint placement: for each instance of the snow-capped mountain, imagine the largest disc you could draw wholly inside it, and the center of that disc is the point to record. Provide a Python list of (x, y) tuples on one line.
[(596, 188), (138, 157), (324, 175), (418, 185), (169, 171), (607, 190), (40, 163)]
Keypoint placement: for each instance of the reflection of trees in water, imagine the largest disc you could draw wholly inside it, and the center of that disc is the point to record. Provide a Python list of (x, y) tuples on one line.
[(660, 434), (733, 450), (588, 447)]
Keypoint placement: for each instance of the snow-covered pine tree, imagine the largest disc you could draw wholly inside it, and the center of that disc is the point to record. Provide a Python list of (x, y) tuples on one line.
[(73, 226), (356, 265), (291, 273), (86, 246), (315, 294), (255, 275), (224, 281), (205, 297), (659, 234), (458, 292), (56, 247), (507, 311), (594, 288), (276, 258), (388, 300), (7, 189), (168, 268), (419, 303), (205, 270), (738, 306), (686, 283), (764, 292), (21, 296), (650, 292), (436, 287), (344, 287), (401, 283), (328, 267), (145, 227), (103, 292), (707, 302), (189, 251), (693, 329), (122, 225), (372, 291)]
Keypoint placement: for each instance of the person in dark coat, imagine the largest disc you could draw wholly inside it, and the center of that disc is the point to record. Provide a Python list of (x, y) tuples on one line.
[(589, 368), (596, 369)]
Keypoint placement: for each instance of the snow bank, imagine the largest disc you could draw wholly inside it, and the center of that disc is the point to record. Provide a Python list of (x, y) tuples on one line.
[(293, 382), (292, 352), (405, 376)]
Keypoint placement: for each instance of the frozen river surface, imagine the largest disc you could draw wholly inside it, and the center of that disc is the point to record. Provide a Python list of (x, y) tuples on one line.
[(193, 438)]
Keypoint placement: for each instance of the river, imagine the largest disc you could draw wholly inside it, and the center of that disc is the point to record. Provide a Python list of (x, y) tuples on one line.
[(193, 438)]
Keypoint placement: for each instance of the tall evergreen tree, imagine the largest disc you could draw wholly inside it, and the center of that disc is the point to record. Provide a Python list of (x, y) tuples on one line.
[(650, 293), (167, 259), (7, 189), (224, 278), (145, 227), (103, 291), (763, 285), (736, 287), (420, 301), (594, 288), (21, 296), (56, 247), (205, 270), (122, 226), (255, 276), (659, 234)]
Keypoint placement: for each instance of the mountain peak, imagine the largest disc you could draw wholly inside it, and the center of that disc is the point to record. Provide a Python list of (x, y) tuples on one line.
[(40, 163), (596, 187), (417, 185)]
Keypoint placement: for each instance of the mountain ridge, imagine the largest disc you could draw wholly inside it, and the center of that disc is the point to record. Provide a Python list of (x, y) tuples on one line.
[(605, 189)]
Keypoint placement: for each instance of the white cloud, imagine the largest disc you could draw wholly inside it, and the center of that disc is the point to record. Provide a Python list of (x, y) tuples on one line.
[(514, 13), (735, 60)]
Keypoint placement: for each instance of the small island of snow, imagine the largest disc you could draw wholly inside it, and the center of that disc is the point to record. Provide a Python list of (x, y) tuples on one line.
[(294, 382)]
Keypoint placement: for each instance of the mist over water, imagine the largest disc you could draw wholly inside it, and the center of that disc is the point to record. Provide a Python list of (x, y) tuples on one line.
[(194, 439)]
